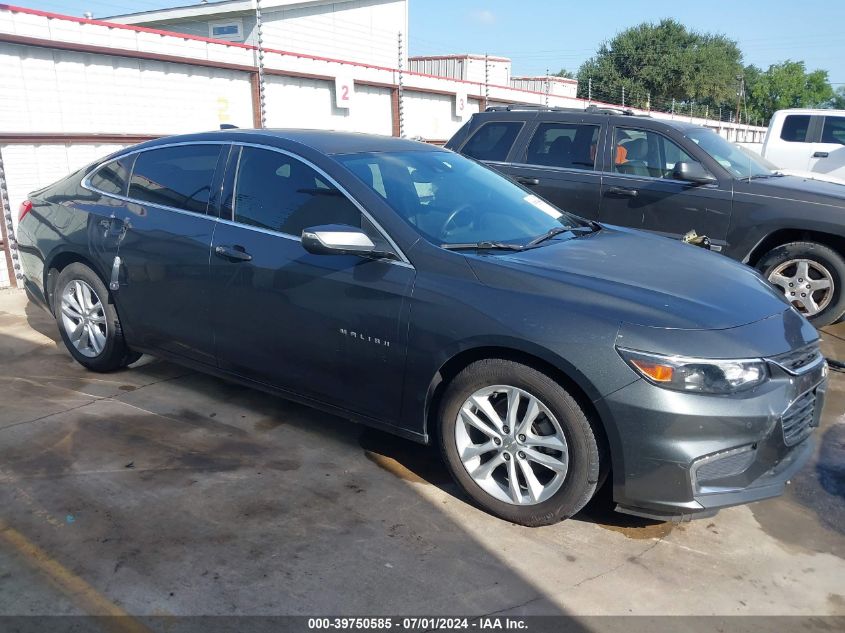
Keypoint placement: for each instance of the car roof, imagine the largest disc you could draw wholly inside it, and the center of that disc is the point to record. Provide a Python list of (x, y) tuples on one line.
[(323, 141), (583, 115)]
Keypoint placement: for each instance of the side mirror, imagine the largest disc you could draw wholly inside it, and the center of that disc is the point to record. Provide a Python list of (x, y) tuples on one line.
[(692, 172), (337, 239)]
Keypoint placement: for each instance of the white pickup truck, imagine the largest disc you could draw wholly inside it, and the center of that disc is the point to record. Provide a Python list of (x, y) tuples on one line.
[(807, 142)]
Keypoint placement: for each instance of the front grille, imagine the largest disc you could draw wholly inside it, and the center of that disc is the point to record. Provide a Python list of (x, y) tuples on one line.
[(725, 465), (797, 420), (799, 360)]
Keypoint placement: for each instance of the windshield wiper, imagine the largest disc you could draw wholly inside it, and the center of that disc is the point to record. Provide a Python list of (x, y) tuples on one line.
[(592, 225), (482, 246)]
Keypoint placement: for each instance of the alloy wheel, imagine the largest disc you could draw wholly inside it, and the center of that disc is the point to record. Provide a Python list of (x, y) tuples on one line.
[(805, 283), (511, 445), (84, 318)]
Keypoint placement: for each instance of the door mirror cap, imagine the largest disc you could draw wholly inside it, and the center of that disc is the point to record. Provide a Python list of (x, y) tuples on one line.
[(337, 239), (692, 172)]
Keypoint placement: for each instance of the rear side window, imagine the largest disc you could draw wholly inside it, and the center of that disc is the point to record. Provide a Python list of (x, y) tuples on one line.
[(834, 130), (564, 145), (277, 192), (178, 177), (492, 141), (113, 177), (795, 128)]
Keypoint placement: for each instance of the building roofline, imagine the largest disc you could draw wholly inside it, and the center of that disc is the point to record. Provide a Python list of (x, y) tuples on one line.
[(563, 80), (210, 9), (458, 56)]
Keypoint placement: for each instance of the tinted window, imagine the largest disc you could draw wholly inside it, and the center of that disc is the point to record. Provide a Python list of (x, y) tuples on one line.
[(178, 177), (644, 153), (795, 128), (113, 177), (564, 145), (277, 192), (492, 141), (834, 130)]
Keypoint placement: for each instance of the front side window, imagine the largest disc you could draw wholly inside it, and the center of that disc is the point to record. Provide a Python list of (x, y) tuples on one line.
[(834, 130), (740, 162), (795, 128), (178, 176), (113, 177), (492, 141), (569, 145), (449, 199), (646, 153), (278, 192)]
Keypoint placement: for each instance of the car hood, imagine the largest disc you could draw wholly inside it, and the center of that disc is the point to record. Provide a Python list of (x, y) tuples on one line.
[(635, 277), (796, 188)]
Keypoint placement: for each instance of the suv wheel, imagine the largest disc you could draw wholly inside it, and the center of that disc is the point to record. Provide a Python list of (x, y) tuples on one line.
[(88, 322), (811, 277), (517, 443)]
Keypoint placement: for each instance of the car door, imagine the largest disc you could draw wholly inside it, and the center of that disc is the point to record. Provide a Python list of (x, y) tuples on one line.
[(828, 155), (559, 164), (793, 147), (638, 189), (327, 327), (155, 245)]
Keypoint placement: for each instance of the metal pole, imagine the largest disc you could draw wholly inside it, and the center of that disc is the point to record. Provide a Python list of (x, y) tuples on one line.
[(648, 102), (623, 96), (589, 91), (262, 103), (7, 234), (401, 89), (548, 87), (486, 79), (673, 107)]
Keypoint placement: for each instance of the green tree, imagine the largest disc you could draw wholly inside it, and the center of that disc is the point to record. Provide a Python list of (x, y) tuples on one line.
[(787, 85), (666, 61), (838, 100), (567, 74)]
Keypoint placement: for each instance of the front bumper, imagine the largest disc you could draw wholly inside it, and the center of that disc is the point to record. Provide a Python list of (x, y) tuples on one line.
[(683, 455)]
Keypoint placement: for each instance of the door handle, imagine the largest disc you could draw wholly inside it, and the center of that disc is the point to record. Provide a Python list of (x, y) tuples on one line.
[(528, 181), (623, 192), (235, 253), (820, 155)]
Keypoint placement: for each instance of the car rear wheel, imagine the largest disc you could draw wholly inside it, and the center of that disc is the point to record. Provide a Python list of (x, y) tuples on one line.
[(518, 443), (811, 277), (88, 321)]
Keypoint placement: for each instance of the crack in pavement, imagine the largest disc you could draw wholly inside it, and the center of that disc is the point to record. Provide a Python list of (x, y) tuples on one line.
[(627, 561)]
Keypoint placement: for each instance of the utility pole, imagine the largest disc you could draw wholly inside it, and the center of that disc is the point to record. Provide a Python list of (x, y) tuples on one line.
[(262, 98), (401, 87), (548, 87), (740, 92), (486, 79)]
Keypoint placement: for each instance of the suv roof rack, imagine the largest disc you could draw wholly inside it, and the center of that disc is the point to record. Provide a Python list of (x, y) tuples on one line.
[(591, 109)]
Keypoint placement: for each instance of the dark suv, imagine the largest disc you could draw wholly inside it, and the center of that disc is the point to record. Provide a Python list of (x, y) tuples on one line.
[(671, 177)]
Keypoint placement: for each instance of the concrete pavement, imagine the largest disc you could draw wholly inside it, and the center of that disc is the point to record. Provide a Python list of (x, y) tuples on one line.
[(157, 490)]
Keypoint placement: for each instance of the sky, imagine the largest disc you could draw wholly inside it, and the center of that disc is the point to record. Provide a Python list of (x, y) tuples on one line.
[(553, 34)]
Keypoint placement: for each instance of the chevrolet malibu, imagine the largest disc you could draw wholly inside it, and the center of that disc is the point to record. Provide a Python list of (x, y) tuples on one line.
[(411, 289)]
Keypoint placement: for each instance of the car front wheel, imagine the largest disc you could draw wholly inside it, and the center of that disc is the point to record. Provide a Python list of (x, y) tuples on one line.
[(811, 277), (518, 443), (88, 321)]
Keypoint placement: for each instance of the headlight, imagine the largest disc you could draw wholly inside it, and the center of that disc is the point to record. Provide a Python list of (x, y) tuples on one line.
[(699, 375)]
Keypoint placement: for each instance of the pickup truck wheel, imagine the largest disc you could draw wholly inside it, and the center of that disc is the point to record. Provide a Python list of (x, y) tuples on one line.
[(811, 277), (517, 443), (88, 321)]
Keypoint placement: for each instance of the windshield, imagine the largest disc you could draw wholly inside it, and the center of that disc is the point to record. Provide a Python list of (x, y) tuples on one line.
[(452, 200), (739, 162)]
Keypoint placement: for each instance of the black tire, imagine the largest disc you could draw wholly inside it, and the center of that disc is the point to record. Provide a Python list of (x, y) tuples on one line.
[(115, 353), (823, 255), (584, 449)]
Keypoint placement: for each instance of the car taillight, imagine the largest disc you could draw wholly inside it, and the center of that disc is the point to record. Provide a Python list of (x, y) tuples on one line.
[(26, 207)]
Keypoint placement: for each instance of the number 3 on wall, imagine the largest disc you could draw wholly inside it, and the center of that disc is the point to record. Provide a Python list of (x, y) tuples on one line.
[(460, 105), (344, 91)]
